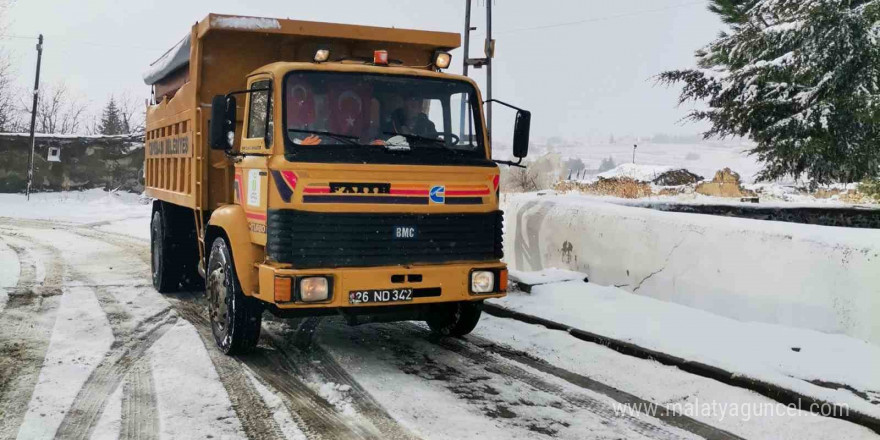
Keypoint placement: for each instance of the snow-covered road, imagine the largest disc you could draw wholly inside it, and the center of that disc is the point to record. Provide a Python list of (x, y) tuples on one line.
[(88, 349)]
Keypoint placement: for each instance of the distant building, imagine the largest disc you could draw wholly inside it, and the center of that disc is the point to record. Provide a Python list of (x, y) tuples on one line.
[(72, 162)]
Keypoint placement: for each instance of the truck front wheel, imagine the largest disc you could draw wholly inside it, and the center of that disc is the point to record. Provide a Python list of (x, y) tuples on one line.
[(455, 319), (235, 318)]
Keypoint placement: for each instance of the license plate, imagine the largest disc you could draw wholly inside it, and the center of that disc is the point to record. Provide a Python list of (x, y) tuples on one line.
[(379, 296)]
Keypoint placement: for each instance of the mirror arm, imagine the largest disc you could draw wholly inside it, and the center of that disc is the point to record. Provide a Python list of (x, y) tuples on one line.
[(504, 104), (229, 152), (510, 163)]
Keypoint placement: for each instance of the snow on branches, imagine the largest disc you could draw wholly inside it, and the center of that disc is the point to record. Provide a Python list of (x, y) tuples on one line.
[(799, 77)]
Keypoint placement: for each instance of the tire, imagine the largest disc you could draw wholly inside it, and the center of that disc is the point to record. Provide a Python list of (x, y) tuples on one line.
[(174, 252), (165, 271), (455, 319), (235, 318)]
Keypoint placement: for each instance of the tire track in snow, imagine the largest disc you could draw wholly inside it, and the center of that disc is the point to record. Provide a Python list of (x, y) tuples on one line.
[(26, 322), (315, 416), (140, 418), (253, 413), (131, 340), (318, 362), (80, 420), (474, 346), (415, 360)]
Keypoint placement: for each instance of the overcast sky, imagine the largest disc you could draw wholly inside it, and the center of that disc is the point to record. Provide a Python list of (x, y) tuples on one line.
[(591, 77)]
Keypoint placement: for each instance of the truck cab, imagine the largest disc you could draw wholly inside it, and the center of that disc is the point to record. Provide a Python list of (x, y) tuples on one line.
[(347, 176)]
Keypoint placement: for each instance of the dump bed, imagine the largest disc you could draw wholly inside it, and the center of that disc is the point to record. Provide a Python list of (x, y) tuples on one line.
[(215, 58)]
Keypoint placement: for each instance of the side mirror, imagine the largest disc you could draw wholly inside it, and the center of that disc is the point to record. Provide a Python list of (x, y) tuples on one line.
[(222, 135), (521, 129)]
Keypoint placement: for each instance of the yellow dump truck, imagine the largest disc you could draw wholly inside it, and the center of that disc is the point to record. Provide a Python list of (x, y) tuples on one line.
[(314, 169)]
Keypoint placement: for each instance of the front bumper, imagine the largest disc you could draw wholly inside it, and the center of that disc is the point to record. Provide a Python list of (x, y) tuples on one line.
[(431, 284)]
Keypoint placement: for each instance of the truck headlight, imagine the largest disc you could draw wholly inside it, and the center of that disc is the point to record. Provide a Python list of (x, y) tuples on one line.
[(482, 281), (314, 289), (322, 55), (442, 59)]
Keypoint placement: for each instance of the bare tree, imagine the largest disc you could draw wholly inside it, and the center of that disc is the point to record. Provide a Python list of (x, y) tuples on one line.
[(9, 120), (133, 113), (59, 111), (523, 179), (9, 116)]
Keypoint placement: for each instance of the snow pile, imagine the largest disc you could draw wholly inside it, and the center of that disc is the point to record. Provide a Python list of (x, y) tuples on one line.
[(789, 357), (246, 23), (641, 173), (336, 395), (546, 276), (76, 206), (806, 276)]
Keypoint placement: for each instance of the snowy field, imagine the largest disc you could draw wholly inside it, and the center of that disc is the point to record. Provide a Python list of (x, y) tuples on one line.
[(91, 350), (704, 158)]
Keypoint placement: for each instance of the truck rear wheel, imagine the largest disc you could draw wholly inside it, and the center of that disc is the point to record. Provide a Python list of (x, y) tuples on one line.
[(165, 271), (235, 318), (455, 319), (174, 249)]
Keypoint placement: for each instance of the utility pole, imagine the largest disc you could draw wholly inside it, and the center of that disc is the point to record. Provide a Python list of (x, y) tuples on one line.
[(34, 117), (465, 65), (489, 50), (634, 152)]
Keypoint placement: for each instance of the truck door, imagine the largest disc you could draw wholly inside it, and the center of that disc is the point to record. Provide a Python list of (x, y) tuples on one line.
[(252, 174)]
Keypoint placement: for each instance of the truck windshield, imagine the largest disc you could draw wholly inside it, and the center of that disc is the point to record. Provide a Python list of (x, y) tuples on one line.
[(374, 118)]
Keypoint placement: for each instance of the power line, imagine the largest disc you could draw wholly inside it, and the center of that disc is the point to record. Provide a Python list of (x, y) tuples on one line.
[(68, 41), (606, 18), (18, 37)]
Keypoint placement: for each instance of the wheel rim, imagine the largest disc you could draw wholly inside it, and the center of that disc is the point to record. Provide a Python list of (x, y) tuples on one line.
[(217, 298)]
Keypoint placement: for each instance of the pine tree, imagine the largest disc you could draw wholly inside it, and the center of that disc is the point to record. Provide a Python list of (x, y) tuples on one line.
[(801, 78), (732, 12), (111, 120)]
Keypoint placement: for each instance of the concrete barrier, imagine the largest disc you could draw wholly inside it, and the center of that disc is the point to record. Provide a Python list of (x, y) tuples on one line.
[(817, 277)]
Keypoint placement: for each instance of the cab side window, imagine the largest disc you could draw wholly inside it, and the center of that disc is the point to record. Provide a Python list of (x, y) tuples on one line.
[(260, 107)]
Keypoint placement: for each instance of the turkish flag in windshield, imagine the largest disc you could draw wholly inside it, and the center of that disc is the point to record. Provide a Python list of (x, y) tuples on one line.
[(350, 108), (300, 105)]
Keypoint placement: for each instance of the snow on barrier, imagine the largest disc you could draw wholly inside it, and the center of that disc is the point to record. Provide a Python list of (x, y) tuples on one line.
[(817, 277)]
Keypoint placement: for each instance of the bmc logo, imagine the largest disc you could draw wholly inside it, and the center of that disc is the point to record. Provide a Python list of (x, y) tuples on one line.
[(404, 232), (438, 194)]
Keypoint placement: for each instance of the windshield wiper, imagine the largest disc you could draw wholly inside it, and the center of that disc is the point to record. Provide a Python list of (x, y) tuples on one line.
[(346, 139)]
